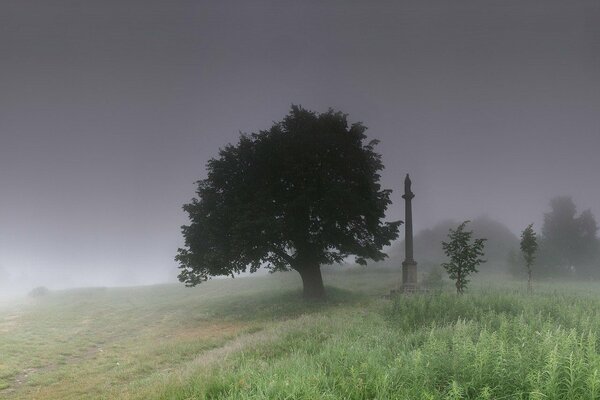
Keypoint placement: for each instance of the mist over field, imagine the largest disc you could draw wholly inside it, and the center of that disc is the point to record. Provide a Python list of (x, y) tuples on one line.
[(152, 151), (110, 111)]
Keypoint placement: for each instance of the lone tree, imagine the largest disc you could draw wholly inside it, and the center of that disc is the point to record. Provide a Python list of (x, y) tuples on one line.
[(304, 193), (529, 247), (464, 255)]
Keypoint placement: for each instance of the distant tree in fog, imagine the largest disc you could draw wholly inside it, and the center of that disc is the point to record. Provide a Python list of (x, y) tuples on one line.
[(569, 242), (464, 254), (501, 241), (514, 263), (304, 193), (502, 251), (529, 248), (589, 245)]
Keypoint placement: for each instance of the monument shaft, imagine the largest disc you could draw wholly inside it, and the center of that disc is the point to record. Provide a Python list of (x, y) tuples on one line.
[(408, 231), (409, 266)]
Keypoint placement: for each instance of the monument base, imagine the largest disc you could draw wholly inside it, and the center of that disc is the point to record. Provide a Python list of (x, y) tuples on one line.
[(409, 276)]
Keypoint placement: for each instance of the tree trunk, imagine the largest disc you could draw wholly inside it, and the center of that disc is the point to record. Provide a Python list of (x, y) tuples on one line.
[(529, 287), (312, 282)]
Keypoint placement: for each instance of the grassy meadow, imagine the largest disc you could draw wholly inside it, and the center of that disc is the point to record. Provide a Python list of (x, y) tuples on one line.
[(255, 338)]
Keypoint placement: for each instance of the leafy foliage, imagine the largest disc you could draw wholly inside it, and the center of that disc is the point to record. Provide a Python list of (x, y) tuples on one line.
[(305, 192), (529, 247), (465, 255)]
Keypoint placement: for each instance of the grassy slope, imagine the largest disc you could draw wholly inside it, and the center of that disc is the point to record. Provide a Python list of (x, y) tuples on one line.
[(113, 343), (254, 338)]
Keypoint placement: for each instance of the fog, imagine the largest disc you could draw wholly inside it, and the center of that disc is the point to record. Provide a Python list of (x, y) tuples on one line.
[(110, 110)]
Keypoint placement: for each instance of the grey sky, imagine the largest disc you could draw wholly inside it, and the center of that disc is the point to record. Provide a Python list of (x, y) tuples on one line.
[(110, 109)]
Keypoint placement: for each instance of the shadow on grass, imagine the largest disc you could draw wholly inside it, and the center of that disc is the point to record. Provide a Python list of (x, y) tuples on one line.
[(280, 305)]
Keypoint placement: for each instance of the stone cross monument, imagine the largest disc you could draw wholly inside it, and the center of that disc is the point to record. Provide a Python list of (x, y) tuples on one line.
[(409, 266)]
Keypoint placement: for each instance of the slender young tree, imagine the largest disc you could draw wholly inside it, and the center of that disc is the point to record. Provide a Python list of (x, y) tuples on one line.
[(465, 255), (529, 248), (302, 194)]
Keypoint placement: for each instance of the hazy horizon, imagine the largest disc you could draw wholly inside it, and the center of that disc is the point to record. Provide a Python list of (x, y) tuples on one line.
[(109, 112)]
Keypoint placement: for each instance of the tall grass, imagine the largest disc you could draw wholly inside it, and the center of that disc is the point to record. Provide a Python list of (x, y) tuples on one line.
[(499, 345), (485, 345), (256, 338)]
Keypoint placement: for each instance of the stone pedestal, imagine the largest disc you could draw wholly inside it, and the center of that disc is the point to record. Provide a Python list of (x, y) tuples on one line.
[(409, 276)]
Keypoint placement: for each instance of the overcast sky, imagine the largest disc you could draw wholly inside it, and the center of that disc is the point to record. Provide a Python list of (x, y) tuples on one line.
[(109, 111)]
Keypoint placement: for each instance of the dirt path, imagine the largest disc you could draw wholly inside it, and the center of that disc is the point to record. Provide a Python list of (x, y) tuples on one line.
[(266, 335)]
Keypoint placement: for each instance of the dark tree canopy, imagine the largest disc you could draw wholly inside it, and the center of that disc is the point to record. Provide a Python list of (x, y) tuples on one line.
[(304, 193)]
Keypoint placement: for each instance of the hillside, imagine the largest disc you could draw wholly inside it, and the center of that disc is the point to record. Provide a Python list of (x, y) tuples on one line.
[(255, 338), (113, 342)]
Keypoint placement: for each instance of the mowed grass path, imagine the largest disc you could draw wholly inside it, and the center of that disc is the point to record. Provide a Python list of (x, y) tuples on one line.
[(256, 339), (116, 342)]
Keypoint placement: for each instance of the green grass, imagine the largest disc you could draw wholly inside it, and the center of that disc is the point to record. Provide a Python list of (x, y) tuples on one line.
[(256, 338), (112, 343)]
